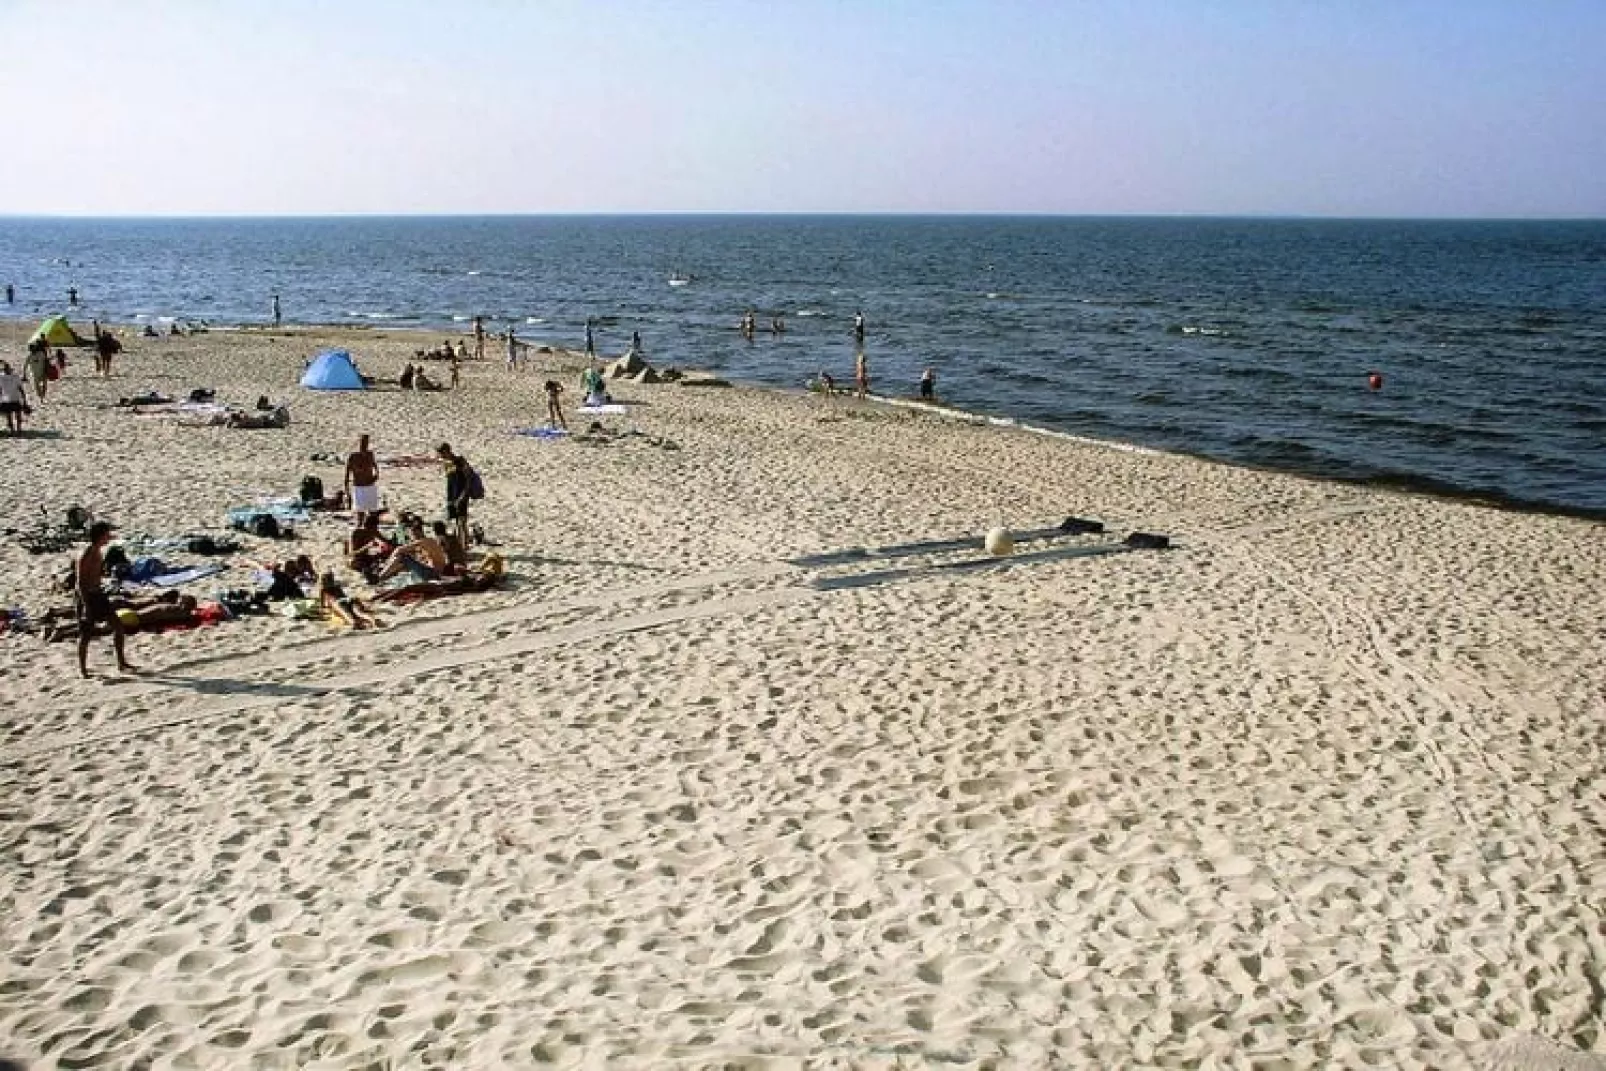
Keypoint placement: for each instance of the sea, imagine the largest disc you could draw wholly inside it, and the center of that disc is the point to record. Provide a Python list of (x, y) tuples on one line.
[(1249, 341)]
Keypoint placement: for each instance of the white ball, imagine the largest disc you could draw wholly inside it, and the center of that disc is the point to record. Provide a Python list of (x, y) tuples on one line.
[(999, 543)]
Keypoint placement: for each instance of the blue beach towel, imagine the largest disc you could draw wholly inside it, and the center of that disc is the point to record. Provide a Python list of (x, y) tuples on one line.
[(541, 433)]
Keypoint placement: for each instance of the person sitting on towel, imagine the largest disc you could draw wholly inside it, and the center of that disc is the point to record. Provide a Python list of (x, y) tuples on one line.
[(333, 600), (456, 553), (423, 557), (406, 380)]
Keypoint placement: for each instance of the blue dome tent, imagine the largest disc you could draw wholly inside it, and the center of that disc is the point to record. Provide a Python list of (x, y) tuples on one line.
[(332, 370)]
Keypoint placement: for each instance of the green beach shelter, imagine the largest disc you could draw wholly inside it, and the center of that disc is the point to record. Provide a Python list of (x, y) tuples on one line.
[(58, 332)]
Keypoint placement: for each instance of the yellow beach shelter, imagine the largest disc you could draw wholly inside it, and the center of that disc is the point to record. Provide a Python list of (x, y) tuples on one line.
[(58, 332)]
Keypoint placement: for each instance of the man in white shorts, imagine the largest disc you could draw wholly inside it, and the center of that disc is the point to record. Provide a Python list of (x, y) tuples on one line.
[(13, 398), (362, 481)]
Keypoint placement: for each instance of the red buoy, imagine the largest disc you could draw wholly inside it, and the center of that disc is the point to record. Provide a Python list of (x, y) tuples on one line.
[(1375, 380)]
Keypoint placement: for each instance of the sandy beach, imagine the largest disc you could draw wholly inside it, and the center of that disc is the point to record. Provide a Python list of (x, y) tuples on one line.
[(1320, 786)]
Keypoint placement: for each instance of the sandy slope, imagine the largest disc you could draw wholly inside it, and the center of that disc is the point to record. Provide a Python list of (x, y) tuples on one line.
[(1321, 787)]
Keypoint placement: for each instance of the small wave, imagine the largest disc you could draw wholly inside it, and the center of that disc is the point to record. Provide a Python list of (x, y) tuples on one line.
[(535, 319), (474, 273), (460, 319), (1193, 329), (805, 313)]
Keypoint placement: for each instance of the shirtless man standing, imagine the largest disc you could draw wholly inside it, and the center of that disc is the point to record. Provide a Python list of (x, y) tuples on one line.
[(94, 608), (362, 481)]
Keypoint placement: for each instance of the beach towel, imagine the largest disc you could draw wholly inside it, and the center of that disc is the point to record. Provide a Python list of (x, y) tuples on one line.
[(284, 509), (541, 433), (611, 409), (185, 576)]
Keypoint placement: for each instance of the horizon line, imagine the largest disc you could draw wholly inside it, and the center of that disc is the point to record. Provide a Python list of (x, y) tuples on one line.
[(795, 214)]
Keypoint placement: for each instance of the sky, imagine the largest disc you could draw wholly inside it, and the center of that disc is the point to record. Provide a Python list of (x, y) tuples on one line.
[(1416, 108)]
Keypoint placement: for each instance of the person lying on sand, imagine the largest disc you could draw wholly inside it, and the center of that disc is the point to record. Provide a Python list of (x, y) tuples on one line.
[(146, 611), (484, 577), (333, 600)]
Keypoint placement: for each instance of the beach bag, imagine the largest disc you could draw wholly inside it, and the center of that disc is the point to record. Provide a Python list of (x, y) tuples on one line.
[(265, 526), (476, 486), (52, 372), (311, 490)]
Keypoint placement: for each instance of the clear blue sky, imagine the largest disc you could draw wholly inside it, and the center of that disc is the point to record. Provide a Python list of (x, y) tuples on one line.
[(1279, 107)]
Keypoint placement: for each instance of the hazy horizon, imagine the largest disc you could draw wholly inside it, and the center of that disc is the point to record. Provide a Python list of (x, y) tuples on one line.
[(1246, 109)]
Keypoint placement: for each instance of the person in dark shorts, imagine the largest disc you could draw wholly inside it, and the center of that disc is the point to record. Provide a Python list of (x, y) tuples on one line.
[(458, 484), (94, 608)]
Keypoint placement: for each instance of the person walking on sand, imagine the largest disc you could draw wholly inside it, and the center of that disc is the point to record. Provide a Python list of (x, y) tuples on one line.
[(36, 368), (94, 608), (512, 349), (362, 481), (479, 338), (13, 398), (861, 374), (275, 310), (459, 489)]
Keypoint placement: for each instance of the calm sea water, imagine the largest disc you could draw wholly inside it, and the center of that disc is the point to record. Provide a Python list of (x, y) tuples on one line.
[(1244, 340)]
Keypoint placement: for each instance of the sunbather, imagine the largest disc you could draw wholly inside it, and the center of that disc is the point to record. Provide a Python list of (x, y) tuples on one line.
[(333, 600), (484, 577), (423, 557)]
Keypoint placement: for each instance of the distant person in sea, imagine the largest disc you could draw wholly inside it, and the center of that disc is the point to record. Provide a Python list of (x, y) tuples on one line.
[(861, 374), (72, 296), (479, 339), (635, 341), (928, 386), (554, 404), (749, 322), (13, 398), (858, 327), (36, 368), (11, 294), (275, 310), (362, 481), (459, 489), (591, 341), (777, 325)]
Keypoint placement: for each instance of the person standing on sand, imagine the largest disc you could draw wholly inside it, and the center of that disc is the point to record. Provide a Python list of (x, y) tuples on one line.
[(13, 398), (362, 481), (479, 338), (554, 406), (861, 374), (459, 482), (94, 608), (512, 349), (275, 310), (457, 366)]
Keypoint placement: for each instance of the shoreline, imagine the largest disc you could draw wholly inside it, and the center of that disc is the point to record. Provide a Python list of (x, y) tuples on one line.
[(1398, 482)]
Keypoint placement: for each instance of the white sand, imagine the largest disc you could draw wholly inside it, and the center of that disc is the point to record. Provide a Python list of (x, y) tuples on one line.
[(1322, 787)]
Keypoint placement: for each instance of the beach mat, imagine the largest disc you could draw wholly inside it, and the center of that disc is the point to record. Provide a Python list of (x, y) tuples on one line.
[(933, 546), (882, 576)]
